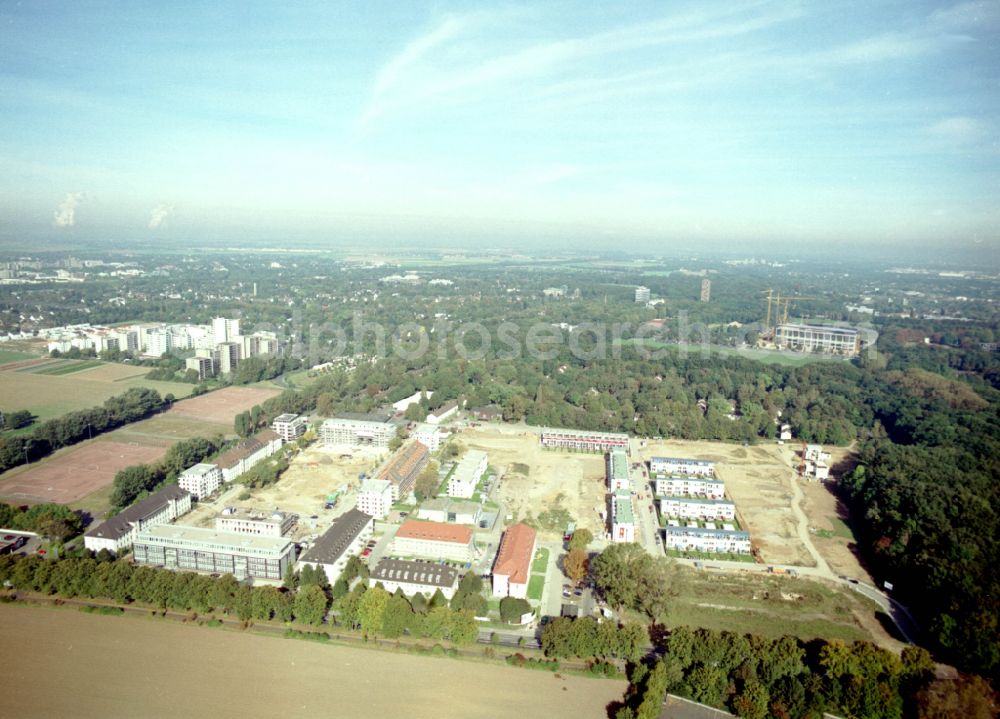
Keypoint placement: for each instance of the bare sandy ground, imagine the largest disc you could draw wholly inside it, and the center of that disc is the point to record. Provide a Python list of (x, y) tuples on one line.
[(65, 663), (571, 481)]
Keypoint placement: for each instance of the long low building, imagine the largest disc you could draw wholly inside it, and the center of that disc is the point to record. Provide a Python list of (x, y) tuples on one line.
[(357, 430), (707, 540), (453, 511), (404, 467), (512, 568), (118, 533), (417, 538), (681, 465), (697, 508), (830, 339), (246, 454), (617, 471), (583, 440), (206, 550), (414, 577), (333, 548), (690, 487)]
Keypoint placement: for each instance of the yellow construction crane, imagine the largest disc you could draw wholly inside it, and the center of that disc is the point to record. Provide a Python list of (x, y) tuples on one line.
[(779, 305)]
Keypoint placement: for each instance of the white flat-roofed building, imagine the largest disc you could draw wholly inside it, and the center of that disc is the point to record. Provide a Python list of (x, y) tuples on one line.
[(618, 471), (206, 550), (679, 465), (443, 509), (622, 517), (828, 339), (466, 475), (442, 413), (694, 508), (414, 577), (706, 540), (334, 547), (642, 294), (118, 533), (404, 404), (429, 435), (416, 538), (204, 366), (237, 520), (289, 426), (201, 479), (687, 486), (375, 497), (357, 431), (245, 455), (583, 440), (815, 453)]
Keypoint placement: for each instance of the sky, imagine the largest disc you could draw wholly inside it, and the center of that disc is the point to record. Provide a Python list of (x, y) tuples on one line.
[(609, 125)]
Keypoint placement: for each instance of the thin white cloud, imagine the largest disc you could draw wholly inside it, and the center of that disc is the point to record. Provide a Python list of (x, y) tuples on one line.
[(159, 215), (65, 213)]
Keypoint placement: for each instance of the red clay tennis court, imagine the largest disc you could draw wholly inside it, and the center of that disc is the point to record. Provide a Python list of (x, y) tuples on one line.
[(76, 473)]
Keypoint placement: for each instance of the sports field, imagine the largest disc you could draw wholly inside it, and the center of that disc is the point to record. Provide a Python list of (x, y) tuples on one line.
[(74, 472), (50, 388)]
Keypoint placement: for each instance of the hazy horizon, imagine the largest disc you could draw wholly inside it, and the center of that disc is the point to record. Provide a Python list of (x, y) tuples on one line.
[(723, 127)]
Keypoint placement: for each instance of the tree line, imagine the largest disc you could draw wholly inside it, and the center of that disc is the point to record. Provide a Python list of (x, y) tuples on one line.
[(134, 404), (54, 521), (133, 483), (757, 678)]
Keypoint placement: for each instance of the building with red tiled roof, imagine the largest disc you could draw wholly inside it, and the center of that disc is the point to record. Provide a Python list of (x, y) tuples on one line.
[(417, 538), (404, 467), (512, 569)]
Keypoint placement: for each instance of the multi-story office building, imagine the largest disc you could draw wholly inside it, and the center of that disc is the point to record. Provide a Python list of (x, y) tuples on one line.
[(206, 550), (679, 465), (375, 497), (235, 520), (416, 538), (694, 508), (617, 471), (818, 338), (200, 480), (290, 426), (466, 475), (355, 430), (333, 548), (118, 533), (583, 441)]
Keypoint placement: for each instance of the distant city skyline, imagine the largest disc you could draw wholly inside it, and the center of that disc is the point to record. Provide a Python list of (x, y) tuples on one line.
[(696, 125)]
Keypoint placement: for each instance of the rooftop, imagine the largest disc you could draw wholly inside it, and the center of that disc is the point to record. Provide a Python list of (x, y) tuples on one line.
[(623, 508), (701, 532), (225, 541), (434, 531), (467, 470), (556, 432), (404, 462), (247, 447), (375, 485), (376, 417), (201, 469), (332, 544), (684, 460), (121, 524), (618, 464), (405, 571), (287, 417), (515, 555)]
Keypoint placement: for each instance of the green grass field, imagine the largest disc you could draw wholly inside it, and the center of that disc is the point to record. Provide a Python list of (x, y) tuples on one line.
[(541, 561), (535, 586), (69, 367), (9, 356)]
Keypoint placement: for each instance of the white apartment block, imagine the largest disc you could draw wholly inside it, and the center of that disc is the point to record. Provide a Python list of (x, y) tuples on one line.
[(261, 524), (289, 426), (707, 540), (429, 435), (691, 508), (815, 453), (118, 533), (225, 330), (618, 471), (229, 356), (375, 497), (678, 465), (622, 517), (345, 431), (642, 294), (684, 485), (465, 477), (201, 480), (204, 366), (158, 342)]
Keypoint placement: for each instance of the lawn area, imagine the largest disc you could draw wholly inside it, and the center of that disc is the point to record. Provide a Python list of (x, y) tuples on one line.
[(69, 367), (9, 356), (541, 562), (709, 556), (535, 586), (788, 359)]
